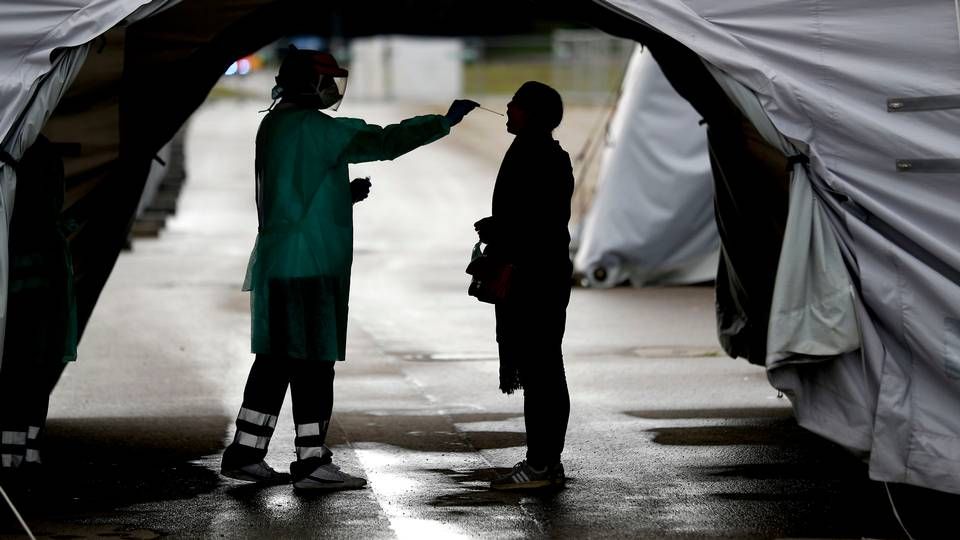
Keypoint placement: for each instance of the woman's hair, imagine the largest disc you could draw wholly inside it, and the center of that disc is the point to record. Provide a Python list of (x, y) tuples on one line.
[(543, 105)]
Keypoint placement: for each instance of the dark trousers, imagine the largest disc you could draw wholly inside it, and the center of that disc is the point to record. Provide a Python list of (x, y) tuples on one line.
[(32, 361), (25, 385), (546, 410), (530, 329), (311, 388)]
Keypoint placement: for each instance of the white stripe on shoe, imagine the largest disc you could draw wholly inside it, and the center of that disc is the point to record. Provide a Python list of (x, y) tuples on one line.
[(33, 432), (33, 455), (257, 418), (251, 440)]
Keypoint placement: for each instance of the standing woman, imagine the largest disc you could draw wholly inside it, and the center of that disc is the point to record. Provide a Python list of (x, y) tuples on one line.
[(528, 229)]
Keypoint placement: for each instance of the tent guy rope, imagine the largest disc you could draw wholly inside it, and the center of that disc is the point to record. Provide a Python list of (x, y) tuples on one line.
[(16, 513)]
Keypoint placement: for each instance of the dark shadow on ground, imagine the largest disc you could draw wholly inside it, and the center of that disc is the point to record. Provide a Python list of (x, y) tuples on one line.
[(766, 432), (426, 433), (94, 466), (692, 414), (810, 487), (477, 494)]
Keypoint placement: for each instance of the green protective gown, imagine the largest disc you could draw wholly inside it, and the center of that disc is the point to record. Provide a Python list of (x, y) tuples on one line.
[(299, 271)]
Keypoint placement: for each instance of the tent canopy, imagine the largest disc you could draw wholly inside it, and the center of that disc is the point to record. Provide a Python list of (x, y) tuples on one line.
[(801, 91)]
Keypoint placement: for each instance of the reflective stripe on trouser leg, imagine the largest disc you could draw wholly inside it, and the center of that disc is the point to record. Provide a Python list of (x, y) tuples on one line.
[(251, 440), (33, 445), (10, 461), (14, 446), (310, 430), (254, 428), (18, 438), (310, 440), (306, 452), (257, 418)]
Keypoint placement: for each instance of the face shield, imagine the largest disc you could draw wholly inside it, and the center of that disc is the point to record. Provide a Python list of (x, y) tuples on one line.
[(331, 89), (313, 78)]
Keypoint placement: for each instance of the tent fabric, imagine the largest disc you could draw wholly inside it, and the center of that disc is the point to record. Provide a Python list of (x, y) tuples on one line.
[(32, 30), (751, 188), (45, 44), (813, 339), (32, 120), (812, 313), (823, 73), (651, 221)]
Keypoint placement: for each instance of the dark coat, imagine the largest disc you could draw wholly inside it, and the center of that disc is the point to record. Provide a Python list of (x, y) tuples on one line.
[(531, 210), (531, 206)]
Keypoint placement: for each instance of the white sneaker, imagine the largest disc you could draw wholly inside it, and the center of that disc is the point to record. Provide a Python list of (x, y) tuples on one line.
[(260, 473), (329, 477)]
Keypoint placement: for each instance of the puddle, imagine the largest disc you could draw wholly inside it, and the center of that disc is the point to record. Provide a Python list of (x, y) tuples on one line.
[(450, 357), (678, 352), (711, 414)]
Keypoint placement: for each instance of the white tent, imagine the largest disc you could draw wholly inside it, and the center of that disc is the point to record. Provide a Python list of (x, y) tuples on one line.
[(651, 221), (867, 90)]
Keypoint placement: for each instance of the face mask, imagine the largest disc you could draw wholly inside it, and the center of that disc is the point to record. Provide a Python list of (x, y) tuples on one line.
[(324, 95), (330, 98)]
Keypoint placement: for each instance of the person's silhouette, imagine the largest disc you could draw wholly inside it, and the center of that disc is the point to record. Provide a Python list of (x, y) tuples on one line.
[(528, 229), (299, 271)]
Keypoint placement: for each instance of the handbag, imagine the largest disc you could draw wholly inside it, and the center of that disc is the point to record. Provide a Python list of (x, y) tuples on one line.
[(492, 277)]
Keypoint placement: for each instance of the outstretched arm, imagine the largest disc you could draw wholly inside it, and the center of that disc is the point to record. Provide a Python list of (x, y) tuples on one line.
[(369, 142)]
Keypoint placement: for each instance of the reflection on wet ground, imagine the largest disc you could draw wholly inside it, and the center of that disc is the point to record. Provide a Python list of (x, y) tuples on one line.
[(123, 478)]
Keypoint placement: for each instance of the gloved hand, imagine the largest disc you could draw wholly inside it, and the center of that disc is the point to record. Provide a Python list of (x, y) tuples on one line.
[(459, 108), (359, 189), (486, 229)]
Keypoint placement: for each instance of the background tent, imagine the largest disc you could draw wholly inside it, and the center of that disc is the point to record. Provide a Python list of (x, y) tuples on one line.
[(651, 221)]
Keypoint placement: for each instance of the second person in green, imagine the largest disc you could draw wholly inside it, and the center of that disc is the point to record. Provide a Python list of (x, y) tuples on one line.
[(299, 271)]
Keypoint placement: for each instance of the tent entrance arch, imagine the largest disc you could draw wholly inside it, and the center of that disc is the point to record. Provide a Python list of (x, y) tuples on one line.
[(894, 223)]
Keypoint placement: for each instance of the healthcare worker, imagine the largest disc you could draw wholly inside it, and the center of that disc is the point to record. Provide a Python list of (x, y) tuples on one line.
[(299, 271), (41, 333)]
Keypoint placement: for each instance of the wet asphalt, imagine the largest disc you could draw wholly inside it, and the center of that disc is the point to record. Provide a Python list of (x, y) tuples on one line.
[(668, 437)]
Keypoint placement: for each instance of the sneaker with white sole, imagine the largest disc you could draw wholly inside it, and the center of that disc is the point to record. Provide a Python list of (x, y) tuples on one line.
[(329, 477), (523, 476), (260, 473)]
